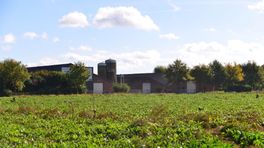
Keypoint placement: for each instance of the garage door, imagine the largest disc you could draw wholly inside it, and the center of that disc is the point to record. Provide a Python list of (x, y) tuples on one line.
[(191, 87), (98, 88), (146, 88)]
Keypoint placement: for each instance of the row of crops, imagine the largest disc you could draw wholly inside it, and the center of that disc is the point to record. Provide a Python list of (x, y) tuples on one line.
[(133, 120)]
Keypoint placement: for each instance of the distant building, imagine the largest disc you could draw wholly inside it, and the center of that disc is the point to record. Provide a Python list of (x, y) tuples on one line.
[(139, 83), (64, 68)]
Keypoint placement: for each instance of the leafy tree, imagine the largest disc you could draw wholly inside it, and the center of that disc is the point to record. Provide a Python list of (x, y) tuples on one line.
[(234, 74), (218, 74), (78, 76), (177, 72), (13, 74), (48, 82), (253, 74), (202, 74), (160, 69)]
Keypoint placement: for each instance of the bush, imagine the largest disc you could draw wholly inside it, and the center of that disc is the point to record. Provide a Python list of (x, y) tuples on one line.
[(238, 88), (6, 93), (121, 88)]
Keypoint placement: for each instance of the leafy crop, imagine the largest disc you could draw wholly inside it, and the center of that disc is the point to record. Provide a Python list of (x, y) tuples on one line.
[(133, 120)]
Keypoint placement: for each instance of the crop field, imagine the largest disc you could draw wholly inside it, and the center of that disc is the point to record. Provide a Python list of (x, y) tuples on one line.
[(133, 120)]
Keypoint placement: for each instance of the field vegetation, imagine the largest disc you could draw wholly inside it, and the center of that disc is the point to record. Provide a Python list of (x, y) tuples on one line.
[(133, 120)]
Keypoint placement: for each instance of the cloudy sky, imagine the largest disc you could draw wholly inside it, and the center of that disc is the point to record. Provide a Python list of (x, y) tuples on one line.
[(139, 34)]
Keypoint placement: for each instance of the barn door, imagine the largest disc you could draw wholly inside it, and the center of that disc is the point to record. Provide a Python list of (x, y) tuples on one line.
[(146, 88), (98, 88)]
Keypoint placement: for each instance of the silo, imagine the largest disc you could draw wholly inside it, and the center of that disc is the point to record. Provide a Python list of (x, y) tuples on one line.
[(111, 70), (102, 70)]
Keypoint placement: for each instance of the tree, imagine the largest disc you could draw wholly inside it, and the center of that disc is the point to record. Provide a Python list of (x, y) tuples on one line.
[(202, 74), (218, 74), (253, 74), (78, 76), (48, 82), (177, 72), (160, 69), (13, 74), (234, 74)]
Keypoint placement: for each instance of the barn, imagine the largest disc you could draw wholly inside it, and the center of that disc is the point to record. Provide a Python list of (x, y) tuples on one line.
[(139, 82), (64, 68)]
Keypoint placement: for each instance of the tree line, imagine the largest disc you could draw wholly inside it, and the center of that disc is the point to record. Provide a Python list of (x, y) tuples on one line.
[(15, 78), (229, 77)]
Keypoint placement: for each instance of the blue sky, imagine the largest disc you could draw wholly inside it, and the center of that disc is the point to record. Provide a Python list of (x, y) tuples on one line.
[(139, 34)]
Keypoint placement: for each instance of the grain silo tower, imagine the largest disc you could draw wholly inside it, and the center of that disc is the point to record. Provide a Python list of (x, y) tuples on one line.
[(111, 70), (101, 67)]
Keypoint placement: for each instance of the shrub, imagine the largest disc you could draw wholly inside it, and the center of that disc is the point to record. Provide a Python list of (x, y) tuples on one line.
[(238, 88), (6, 92), (121, 88)]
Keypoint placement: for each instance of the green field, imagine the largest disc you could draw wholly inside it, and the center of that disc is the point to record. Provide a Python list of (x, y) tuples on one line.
[(133, 120)]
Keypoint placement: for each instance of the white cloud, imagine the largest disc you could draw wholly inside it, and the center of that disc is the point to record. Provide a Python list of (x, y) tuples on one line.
[(130, 62), (56, 39), (192, 53), (9, 38), (48, 61), (81, 48), (30, 35), (108, 17), (74, 19), (33, 35), (258, 6), (205, 52), (169, 36)]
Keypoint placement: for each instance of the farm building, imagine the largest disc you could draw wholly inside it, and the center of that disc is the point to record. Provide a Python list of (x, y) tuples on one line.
[(64, 68), (139, 83)]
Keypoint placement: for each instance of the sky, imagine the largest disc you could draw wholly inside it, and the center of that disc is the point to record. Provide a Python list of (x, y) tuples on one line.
[(138, 34)]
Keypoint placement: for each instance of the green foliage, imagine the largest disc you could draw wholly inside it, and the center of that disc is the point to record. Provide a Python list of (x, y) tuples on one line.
[(253, 75), (48, 82), (121, 88), (78, 76), (160, 69), (177, 72), (133, 120), (238, 88), (234, 74), (57, 82), (202, 74), (13, 74), (218, 74)]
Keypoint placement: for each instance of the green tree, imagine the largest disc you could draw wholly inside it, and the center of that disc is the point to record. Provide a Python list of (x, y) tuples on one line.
[(160, 69), (202, 75), (234, 74), (253, 74), (13, 74), (177, 72), (48, 82), (218, 74), (78, 76)]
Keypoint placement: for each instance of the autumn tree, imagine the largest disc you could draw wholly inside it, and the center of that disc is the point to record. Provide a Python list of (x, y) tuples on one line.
[(234, 74)]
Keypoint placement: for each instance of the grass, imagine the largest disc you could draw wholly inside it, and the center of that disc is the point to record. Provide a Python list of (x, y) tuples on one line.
[(133, 120)]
